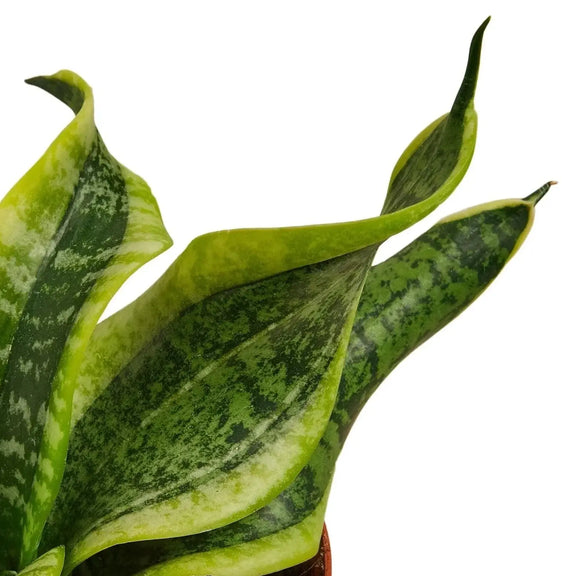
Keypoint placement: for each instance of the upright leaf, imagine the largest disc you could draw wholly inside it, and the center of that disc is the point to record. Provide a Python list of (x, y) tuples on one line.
[(73, 228), (233, 397), (405, 301)]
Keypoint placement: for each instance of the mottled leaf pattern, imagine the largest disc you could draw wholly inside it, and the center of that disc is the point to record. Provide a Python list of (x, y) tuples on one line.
[(224, 419), (74, 227), (426, 174), (405, 301), (449, 141), (49, 564), (119, 343)]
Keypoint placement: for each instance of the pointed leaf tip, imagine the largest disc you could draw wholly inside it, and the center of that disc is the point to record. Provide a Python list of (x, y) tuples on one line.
[(468, 87), (537, 195), (66, 86)]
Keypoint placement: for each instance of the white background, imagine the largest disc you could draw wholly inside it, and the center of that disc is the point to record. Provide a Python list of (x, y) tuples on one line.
[(278, 113)]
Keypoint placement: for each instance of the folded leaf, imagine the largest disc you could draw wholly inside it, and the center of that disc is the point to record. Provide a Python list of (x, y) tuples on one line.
[(405, 301), (224, 419), (73, 229), (209, 339)]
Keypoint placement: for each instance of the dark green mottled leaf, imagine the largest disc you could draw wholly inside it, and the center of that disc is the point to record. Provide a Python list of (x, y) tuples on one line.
[(232, 398), (427, 172), (226, 330), (49, 564), (405, 301), (73, 229), (440, 155)]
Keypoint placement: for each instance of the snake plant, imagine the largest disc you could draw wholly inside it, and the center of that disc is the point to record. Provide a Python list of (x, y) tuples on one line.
[(196, 430)]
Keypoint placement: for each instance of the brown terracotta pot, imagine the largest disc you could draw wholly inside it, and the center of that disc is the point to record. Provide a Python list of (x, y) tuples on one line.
[(320, 565)]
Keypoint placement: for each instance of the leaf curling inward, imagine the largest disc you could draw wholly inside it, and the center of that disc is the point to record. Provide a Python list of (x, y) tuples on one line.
[(406, 299), (254, 255), (76, 206)]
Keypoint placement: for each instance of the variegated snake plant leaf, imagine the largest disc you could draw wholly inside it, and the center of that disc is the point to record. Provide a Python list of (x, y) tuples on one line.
[(265, 356), (405, 300), (196, 430)]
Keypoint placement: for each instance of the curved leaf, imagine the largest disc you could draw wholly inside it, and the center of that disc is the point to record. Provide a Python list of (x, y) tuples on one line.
[(425, 175), (49, 564), (73, 229), (405, 300), (233, 397), (441, 154), (265, 555), (207, 337)]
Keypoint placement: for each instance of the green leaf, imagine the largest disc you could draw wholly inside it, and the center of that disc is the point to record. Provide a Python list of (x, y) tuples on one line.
[(232, 398), (427, 172), (235, 356), (266, 554), (73, 229), (49, 564), (405, 300), (438, 158)]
